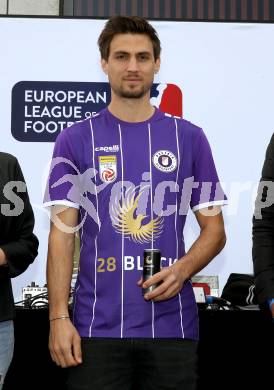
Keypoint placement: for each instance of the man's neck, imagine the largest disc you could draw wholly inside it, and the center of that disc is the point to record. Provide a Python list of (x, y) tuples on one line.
[(131, 110)]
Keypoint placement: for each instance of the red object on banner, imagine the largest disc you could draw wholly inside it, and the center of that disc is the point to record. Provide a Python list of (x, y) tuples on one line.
[(172, 100)]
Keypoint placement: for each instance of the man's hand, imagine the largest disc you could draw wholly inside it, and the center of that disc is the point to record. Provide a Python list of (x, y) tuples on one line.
[(171, 281), (209, 243), (64, 343)]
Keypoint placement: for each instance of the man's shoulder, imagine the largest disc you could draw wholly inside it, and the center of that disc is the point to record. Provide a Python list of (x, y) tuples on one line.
[(182, 124), (270, 148), (80, 128), (7, 159)]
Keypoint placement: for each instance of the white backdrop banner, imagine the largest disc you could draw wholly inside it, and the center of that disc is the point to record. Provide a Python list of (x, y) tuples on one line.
[(217, 75)]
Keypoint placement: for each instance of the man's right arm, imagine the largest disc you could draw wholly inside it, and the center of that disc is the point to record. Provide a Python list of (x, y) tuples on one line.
[(263, 234), (64, 340)]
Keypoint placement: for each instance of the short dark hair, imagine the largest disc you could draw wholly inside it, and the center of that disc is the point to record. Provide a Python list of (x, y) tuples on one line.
[(123, 25)]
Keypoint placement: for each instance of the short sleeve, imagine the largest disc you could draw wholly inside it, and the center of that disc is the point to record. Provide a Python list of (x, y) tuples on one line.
[(207, 190), (63, 180)]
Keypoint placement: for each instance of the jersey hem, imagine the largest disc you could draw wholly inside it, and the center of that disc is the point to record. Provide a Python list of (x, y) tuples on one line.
[(61, 202), (208, 204)]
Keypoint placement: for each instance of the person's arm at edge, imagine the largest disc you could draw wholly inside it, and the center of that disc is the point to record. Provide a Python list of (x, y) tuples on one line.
[(18, 254), (3, 259), (210, 242), (262, 235), (271, 307), (64, 340)]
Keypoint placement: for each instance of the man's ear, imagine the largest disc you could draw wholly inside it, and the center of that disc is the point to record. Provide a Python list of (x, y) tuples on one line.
[(157, 65), (104, 66)]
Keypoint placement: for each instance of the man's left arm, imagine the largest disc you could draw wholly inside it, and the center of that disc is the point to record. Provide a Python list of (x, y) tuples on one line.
[(210, 242), (21, 250)]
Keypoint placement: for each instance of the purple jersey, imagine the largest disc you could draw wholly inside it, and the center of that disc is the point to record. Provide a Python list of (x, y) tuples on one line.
[(133, 184)]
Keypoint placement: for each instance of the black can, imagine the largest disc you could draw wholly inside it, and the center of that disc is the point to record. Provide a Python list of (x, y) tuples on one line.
[(151, 265)]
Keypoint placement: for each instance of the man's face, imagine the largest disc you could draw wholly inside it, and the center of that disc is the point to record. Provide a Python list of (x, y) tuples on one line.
[(131, 65)]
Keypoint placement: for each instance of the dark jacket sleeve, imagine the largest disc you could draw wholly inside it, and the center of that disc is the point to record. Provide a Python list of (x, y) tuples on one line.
[(263, 231), (22, 249)]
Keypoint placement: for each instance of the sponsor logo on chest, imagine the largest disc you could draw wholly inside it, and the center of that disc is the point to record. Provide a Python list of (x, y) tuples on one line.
[(108, 149), (164, 161), (108, 168)]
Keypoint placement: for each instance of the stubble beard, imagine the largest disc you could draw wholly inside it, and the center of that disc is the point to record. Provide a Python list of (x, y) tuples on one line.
[(131, 94)]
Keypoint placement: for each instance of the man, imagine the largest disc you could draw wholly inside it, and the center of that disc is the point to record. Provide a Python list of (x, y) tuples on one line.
[(263, 234), (18, 248), (120, 176)]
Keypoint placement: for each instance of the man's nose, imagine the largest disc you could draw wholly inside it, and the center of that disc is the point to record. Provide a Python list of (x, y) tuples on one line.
[(132, 64)]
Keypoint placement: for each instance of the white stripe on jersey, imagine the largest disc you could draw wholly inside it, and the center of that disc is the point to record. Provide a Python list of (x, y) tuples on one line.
[(75, 302), (95, 241), (151, 212), (151, 200), (81, 237), (176, 214), (123, 235)]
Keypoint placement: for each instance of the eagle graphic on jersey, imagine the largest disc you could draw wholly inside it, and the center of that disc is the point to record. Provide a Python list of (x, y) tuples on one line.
[(126, 221)]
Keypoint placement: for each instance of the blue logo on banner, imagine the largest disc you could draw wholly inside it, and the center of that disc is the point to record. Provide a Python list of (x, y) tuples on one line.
[(42, 109)]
